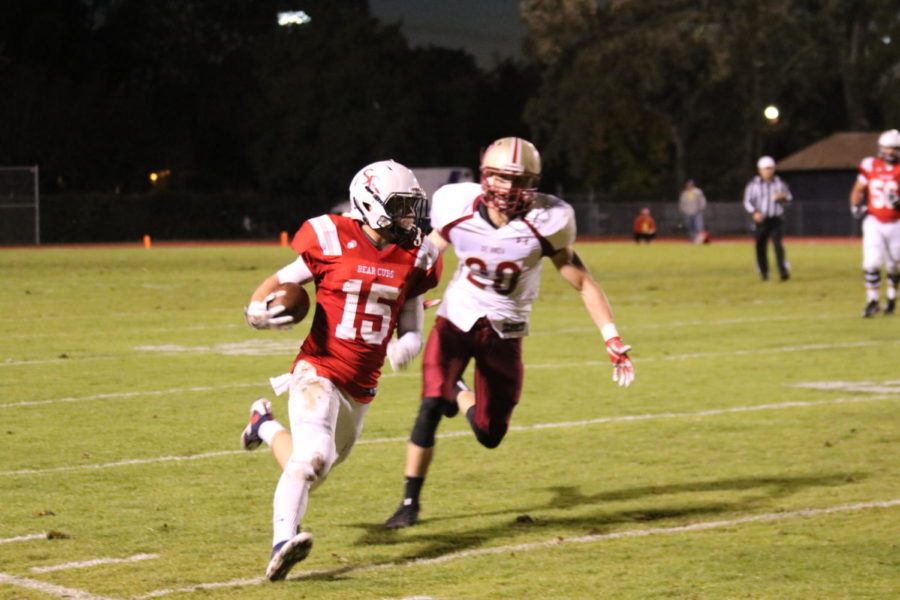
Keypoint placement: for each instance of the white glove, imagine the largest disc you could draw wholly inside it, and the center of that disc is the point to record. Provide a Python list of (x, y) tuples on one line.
[(623, 370), (401, 351), (260, 316)]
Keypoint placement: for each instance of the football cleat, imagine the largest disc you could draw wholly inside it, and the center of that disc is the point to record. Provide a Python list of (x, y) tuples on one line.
[(260, 412), (287, 554), (871, 309), (890, 306), (406, 515)]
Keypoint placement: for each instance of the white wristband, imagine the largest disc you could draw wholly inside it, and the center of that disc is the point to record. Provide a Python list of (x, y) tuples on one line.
[(609, 331)]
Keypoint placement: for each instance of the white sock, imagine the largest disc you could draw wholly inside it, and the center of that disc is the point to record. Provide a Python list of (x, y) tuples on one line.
[(872, 294), (288, 507), (268, 430)]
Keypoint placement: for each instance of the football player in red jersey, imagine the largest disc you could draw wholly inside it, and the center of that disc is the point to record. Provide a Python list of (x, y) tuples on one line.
[(875, 198), (500, 231), (370, 270)]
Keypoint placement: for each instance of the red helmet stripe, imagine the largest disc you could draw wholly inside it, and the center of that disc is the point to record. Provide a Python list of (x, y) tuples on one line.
[(515, 151)]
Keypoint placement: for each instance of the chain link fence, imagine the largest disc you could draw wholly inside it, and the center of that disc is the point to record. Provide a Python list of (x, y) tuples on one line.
[(20, 207), (807, 217)]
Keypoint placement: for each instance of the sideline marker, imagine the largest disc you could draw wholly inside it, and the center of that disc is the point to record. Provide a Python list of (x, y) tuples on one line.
[(284, 238), (147, 242)]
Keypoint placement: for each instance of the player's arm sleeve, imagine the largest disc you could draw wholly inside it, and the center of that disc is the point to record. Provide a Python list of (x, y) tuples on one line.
[(562, 228), (296, 272), (412, 316), (306, 245)]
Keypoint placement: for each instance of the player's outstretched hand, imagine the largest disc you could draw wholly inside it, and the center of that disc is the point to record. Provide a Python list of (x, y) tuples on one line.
[(401, 351), (623, 370), (260, 316)]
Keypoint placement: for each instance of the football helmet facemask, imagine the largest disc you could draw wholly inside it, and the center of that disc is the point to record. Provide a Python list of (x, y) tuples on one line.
[(510, 171), (889, 146), (387, 197)]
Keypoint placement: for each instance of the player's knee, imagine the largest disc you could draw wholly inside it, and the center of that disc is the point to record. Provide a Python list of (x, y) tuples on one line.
[(488, 439), (309, 468), (427, 422), (872, 277), (894, 278)]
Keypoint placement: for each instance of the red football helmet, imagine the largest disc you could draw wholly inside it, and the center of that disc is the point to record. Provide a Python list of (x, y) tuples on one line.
[(510, 170)]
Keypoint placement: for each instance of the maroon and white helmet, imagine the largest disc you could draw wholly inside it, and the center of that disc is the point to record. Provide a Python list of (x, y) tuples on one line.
[(510, 170), (889, 146), (386, 195)]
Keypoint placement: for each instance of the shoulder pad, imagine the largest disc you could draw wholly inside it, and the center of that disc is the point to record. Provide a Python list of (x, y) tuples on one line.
[(554, 219)]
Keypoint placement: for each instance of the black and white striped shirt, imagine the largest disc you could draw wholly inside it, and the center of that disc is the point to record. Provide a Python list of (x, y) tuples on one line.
[(759, 195)]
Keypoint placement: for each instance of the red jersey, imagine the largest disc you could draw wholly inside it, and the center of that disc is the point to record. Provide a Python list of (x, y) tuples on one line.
[(644, 224), (882, 181), (359, 292)]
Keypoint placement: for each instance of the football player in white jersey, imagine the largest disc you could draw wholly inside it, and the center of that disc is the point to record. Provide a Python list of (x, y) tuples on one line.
[(500, 231), (875, 198)]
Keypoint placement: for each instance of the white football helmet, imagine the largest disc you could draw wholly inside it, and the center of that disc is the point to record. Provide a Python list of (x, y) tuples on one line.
[(889, 146), (510, 170), (386, 196)]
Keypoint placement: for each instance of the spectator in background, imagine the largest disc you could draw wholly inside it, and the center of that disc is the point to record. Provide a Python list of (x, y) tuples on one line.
[(644, 227), (765, 198), (691, 204)]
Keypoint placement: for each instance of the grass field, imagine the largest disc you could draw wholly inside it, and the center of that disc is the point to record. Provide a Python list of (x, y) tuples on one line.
[(756, 455)]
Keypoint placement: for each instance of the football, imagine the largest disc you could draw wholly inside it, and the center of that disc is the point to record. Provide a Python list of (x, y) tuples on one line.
[(294, 299)]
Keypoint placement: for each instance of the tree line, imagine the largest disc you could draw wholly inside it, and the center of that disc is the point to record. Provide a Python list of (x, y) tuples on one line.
[(625, 97)]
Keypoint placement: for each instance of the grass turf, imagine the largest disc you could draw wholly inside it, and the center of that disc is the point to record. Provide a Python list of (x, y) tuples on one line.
[(115, 358)]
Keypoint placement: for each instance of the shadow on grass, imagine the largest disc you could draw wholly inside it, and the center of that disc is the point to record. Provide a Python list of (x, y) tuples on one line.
[(436, 544)]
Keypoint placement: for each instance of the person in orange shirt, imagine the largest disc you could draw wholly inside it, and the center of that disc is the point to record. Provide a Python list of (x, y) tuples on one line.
[(644, 227)]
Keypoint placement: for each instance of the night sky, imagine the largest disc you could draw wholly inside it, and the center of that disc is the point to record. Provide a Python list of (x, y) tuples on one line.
[(484, 28)]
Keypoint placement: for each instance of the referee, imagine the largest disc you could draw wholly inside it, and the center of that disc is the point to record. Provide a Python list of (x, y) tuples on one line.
[(765, 197)]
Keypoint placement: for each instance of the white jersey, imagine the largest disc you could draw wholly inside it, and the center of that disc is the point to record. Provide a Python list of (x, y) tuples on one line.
[(499, 271)]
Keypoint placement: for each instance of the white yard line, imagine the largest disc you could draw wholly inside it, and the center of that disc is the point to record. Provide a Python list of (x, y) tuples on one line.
[(83, 564), (24, 538), (48, 588), (566, 365), (263, 348), (202, 388), (100, 333), (122, 463), (538, 426), (697, 323), (557, 541)]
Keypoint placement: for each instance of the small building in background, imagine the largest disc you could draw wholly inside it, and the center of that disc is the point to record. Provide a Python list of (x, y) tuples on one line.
[(820, 177)]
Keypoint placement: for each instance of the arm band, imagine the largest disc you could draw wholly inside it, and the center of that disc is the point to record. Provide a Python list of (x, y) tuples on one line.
[(609, 331)]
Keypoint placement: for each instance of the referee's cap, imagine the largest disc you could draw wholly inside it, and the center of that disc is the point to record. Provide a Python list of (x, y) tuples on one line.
[(765, 162)]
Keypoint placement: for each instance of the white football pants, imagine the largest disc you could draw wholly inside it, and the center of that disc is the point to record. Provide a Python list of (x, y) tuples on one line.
[(325, 424), (881, 245)]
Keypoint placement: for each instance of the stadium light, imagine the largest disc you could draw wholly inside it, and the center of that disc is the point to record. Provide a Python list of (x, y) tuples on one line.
[(154, 177), (293, 17), (771, 113)]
